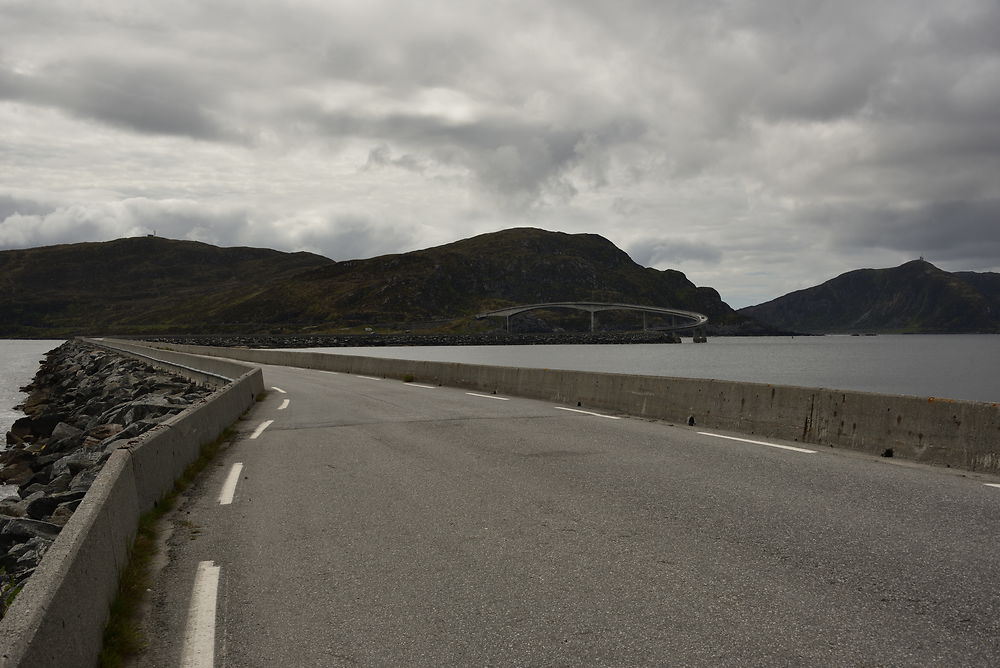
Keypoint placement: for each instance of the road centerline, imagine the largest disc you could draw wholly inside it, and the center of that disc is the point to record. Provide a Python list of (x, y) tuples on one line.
[(284, 404), (577, 410), (770, 445), (367, 377), (229, 486), (487, 396), (199, 639), (260, 428), (278, 389)]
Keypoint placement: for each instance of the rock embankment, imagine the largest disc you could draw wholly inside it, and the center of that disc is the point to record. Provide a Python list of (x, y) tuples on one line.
[(83, 404), (366, 340)]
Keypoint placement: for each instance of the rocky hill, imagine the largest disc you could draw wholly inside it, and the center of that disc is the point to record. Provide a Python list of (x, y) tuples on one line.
[(916, 297), (152, 285), (133, 285)]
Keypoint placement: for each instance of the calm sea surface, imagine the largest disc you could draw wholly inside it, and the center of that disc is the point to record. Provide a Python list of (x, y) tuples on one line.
[(955, 366), (18, 364)]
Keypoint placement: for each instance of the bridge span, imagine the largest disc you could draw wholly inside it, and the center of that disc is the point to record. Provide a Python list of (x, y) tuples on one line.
[(690, 319)]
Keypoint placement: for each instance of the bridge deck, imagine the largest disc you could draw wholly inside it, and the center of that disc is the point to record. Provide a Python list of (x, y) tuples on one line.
[(692, 318)]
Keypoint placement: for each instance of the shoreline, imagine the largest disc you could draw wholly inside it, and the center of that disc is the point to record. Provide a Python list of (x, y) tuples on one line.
[(83, 404), (379, 340)]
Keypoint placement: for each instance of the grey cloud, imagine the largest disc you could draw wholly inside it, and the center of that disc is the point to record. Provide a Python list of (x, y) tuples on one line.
[(512, 158), (350, 237), (11, 205), (381, 156), (659, 252), (440, 61), (154, 99), (967, 231), (747, 119), (178, 219)]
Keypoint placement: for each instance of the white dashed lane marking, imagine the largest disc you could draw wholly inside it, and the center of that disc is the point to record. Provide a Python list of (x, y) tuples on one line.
[(770, 445), (487, 396), (229, 487), (991, 484), (368, 377), (284, 405), (260, 428), (199, 639), (577, 410), (278, 389), (427, 387)]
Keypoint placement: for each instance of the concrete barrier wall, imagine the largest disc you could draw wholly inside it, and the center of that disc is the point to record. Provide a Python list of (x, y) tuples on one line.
[(963, 434), (58, 619), (211, 371)]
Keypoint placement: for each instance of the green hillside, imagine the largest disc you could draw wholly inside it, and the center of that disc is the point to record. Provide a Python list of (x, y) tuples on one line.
[(915, 297), (154, 285)]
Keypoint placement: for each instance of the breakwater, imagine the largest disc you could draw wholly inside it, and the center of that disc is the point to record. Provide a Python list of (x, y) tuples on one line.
[(367, 340), (58, 617), (83, 404)]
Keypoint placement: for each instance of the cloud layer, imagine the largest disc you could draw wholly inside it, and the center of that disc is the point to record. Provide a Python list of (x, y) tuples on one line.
[(760, 147)]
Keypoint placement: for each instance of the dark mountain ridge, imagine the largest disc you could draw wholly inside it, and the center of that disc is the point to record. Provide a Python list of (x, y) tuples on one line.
[(915, 297), (155, 285), (135, 283)]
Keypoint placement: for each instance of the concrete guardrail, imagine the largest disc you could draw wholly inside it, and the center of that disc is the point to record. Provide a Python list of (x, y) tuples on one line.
[(963, 434), (58, 618)]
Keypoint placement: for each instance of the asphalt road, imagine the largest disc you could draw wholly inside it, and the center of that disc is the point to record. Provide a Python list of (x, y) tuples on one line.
[(381, 523)]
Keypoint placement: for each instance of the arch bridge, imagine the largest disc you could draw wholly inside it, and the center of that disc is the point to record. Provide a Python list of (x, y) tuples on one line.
[(690, 319)]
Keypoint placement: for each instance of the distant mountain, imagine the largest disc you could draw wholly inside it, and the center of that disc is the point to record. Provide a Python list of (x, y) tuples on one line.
[(136, 284), (155, 285), (915, 297)]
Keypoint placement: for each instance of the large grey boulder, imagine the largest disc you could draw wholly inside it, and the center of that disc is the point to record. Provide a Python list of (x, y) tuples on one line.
[(25, 528)]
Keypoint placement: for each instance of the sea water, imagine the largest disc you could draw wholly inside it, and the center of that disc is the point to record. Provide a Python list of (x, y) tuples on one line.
[(19, 360), (954, 366)]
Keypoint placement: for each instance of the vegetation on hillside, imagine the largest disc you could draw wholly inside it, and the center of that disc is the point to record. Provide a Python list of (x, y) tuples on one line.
[(916, 297), (150, 285)]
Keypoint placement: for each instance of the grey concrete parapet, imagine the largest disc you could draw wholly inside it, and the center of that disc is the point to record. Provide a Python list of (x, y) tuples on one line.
[(963, 434), (58, 618)]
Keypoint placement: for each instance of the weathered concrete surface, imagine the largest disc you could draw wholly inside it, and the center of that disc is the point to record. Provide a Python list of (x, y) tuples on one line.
[(59, 617), (963, 434)]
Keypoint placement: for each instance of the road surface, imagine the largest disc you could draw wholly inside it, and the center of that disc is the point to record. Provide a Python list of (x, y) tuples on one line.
[(370, 522)]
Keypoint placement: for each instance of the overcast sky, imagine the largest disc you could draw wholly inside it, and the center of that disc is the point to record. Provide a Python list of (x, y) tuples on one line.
[(759, 147)]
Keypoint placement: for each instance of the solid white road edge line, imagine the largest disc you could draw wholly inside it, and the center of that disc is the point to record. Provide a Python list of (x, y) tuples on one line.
[(284, 405), (278, 389), (229, 487), (199, 639), (991, 484), (577, 410), (260, 428), (487, 396), (770, 445)]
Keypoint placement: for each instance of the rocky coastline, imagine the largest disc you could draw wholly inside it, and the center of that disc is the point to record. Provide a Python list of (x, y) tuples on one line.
[(83, 404)]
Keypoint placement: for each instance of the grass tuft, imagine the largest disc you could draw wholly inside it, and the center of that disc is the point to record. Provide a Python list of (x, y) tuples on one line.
[(123, 636)]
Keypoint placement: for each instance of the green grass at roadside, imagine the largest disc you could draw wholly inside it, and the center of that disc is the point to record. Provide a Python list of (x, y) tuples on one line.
[(123, 635)]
